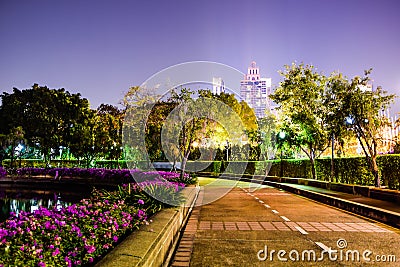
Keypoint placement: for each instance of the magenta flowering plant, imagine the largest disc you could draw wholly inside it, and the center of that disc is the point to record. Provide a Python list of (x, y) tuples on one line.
[(174, 176), (82, 233), (76, 235), (3, 172), (152, 195)]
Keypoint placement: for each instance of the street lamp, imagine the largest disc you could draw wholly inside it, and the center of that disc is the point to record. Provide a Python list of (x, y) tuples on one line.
[(227, 150), (281, 139)]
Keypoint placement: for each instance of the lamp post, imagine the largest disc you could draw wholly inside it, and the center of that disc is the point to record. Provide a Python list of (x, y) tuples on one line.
[(227, 150), (281, 139)]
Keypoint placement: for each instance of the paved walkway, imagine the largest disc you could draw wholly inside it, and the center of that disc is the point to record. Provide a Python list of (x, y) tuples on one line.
[(233, 230)]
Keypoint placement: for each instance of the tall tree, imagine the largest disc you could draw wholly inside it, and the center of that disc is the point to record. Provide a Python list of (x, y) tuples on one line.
[(111, 120), (267, 135), (138, 103), (300, 97), (335, 113), (364, 119), (46, 115), (184, 124)]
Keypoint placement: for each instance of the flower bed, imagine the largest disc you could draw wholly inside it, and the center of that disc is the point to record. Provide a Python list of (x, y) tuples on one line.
[(82, 233)]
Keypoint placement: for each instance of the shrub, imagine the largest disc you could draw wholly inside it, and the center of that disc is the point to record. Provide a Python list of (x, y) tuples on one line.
[(82, 233)]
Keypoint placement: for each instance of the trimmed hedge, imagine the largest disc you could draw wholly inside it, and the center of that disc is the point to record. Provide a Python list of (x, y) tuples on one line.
[(73, 163), (353, 170)]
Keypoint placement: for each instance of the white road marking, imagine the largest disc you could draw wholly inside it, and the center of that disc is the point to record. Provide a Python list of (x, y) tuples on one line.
[(275, 211), (301, 230), (256, 198), (267, 206), (285, 218), (324, 247), (261, 201)]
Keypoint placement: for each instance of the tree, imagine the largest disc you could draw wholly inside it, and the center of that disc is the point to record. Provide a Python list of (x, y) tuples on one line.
[(363, 117), (46, 115), (335, 113), (138, 103), (89, 138), (111, 120), (184, 124), (300, 96), (267, 132)]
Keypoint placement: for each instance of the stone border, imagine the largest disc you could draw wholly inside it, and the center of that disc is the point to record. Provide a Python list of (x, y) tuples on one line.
[(153, 244)]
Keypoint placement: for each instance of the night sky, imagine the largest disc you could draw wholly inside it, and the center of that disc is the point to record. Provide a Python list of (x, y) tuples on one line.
[(101, 48)]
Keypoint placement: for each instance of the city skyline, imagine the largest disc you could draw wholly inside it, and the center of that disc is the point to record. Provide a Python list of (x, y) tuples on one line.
[(100, 49)]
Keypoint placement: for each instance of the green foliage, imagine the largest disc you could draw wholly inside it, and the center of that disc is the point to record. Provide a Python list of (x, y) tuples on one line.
[(389, 166), (51, 119), (155, 195), (300, 97), (352, 170)]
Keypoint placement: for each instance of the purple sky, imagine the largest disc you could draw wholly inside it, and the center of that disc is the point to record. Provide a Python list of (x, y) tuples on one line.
[(101, 48)]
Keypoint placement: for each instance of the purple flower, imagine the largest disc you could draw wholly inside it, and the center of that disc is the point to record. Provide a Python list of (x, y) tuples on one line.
[(140, 201), (90, 249), (68, 261), (115, 238), (42, 264), (141, 214), (55, 252)]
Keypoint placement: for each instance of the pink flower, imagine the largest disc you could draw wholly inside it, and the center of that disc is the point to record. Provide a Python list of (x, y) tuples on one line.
[(90, 249), (55, 252)]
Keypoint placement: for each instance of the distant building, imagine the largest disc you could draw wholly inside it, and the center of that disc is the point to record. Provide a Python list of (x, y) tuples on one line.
[(368, 87), (256, 90), (218, 86), (389, 133)]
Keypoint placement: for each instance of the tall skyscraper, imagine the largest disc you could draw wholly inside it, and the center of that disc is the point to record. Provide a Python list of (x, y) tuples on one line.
[(218, 85), (256, 90)]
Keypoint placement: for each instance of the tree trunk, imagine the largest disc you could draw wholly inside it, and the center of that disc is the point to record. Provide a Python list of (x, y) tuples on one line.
[(332, 160), (183, 166), (314, 175), (375, 171)]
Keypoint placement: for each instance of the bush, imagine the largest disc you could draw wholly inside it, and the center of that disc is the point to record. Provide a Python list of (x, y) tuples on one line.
[(75, 235), (353, 170), (82, 233), (389, 166)]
